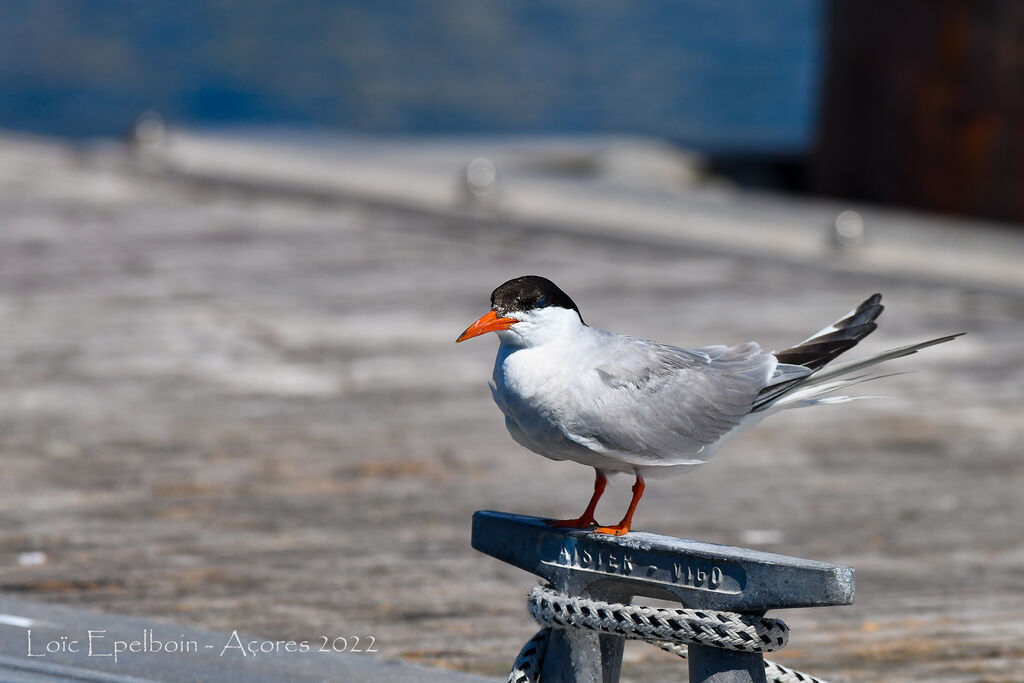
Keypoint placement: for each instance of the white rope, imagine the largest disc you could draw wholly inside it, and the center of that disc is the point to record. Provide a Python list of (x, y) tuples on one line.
[(727, 630), (668, 628), (527, 665)]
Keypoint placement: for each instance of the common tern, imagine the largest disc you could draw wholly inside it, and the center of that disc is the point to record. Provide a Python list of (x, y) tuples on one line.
[(570, 391)]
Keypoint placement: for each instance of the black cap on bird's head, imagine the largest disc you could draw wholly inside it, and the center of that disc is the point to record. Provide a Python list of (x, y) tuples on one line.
[(519, 295), (529, 292)]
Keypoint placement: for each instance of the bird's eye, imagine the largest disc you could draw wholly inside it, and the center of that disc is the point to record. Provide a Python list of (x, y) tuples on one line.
[(542, 302)]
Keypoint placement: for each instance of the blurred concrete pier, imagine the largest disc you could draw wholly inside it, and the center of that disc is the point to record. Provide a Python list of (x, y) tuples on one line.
[(611, 187), (230, 397)]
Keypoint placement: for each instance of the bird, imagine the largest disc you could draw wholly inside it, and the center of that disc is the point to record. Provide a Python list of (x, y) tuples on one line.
[(618, 404)]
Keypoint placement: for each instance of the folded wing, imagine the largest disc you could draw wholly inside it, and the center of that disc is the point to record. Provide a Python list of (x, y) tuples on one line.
[(664, 405)]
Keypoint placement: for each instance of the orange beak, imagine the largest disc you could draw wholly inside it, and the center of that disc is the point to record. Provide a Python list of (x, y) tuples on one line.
[(488, 322)]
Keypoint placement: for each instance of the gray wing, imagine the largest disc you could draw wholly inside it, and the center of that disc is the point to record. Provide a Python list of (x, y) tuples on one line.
[(661, 404)]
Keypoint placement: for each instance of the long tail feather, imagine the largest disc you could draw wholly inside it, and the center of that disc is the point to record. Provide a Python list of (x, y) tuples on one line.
[(791, 388), (861, 363), (813, 394)]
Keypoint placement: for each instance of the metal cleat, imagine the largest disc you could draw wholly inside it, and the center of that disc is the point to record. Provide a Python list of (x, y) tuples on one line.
[(617, 568)]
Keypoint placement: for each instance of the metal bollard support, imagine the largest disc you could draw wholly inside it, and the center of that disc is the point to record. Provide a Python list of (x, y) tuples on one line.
[(715, 665), (696, 574)]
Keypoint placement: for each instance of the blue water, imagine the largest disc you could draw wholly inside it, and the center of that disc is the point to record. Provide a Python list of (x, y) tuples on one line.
[(725, 75)]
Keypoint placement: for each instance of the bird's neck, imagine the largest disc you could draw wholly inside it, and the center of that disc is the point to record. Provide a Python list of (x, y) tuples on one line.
[(549, 326)]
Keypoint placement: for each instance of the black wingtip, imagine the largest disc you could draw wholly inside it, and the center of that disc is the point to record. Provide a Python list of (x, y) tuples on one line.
[(845, 334)]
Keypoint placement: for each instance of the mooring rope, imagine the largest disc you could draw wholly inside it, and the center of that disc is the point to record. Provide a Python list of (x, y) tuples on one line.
[(671, 629)]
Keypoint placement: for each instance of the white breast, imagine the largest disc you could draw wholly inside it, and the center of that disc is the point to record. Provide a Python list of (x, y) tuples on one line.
[(540, 390)]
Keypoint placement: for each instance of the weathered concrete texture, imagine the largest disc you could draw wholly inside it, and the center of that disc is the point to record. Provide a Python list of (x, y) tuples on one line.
[(241, 411)]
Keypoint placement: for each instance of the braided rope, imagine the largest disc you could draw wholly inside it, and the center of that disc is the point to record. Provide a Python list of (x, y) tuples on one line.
[(668, 628), (727, 630), (527, 665)]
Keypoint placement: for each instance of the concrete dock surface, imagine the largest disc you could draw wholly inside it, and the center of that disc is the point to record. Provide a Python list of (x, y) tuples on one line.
[(234, 403)]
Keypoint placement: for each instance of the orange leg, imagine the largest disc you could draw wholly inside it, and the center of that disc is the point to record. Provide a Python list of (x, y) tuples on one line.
[(622, 528), (586, 520)]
